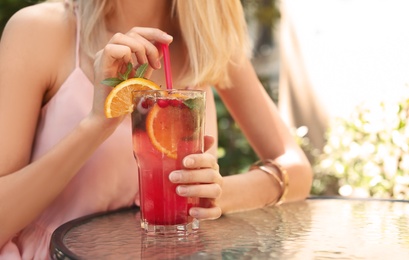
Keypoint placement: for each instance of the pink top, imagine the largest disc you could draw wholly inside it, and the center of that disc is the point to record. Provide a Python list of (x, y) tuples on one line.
[(108, 180)]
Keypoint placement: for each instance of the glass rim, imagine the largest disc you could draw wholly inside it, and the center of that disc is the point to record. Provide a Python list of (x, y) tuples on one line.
[(170, 90), (168, 93)]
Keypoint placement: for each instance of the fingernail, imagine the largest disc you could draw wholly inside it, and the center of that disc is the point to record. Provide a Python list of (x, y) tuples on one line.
[(188, 162), (194, 213), (175, 176), (167, 36), (181, 190), (158, 65)]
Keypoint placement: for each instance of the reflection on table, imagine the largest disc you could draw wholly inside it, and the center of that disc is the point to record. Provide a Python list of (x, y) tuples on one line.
[(313, 229)]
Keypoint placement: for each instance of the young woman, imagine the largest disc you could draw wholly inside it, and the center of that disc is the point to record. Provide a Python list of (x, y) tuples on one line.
[(61, 158)]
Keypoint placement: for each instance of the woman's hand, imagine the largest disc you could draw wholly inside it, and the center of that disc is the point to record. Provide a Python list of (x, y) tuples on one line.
[(136, 46), (202, 169)]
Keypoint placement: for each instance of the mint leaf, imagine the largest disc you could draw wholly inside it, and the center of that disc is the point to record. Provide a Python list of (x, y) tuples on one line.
[(121, 76), (140, 72), (128, 70), (112, 82), (191, 103)]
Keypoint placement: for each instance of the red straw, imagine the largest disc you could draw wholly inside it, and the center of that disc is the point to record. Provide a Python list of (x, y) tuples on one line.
[(168, 72)]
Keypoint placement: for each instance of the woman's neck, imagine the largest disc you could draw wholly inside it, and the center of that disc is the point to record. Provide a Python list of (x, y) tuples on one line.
[(131, 13)]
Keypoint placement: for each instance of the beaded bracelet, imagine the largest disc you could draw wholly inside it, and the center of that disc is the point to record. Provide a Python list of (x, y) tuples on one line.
[(279, 174)]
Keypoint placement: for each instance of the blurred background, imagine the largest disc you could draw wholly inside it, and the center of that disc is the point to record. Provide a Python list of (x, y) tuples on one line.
[(339, 71)]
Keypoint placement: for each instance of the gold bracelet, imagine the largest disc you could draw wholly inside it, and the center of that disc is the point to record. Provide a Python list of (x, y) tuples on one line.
[(279, 174)]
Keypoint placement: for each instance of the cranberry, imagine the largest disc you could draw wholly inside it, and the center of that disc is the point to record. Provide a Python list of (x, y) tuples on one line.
[(175, 102), (162, 103), (144, 104), (147, 103)]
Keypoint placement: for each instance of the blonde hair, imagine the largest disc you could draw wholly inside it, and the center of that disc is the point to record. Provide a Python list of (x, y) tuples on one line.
[(214, 32)]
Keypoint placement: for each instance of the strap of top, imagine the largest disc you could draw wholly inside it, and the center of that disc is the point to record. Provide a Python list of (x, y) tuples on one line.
[(69, 3), (77, 43)]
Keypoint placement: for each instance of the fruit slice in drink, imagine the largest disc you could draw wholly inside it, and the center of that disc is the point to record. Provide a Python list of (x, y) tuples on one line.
[(119, 101)]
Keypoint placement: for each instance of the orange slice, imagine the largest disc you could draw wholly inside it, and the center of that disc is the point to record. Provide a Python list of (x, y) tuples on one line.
[(170, 125), (119, 101)]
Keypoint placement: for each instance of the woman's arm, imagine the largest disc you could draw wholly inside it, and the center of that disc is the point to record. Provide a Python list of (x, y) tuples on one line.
[(258, 118), (36, 55)]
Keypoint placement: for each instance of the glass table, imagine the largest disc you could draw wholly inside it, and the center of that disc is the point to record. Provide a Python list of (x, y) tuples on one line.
[(318, 228)]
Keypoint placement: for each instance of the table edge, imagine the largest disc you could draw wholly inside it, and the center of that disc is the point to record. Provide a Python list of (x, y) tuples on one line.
[(58, 250)]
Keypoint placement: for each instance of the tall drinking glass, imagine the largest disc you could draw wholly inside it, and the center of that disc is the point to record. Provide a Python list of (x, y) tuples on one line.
[(167, 125)]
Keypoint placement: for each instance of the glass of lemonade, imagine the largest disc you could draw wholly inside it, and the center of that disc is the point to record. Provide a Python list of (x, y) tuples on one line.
[(167, 125)]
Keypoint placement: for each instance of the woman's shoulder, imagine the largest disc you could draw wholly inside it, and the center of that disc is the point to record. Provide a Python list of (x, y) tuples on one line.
[(39, 18), (43, 35)]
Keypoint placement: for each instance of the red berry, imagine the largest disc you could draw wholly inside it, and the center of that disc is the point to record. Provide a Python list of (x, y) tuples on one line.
[(175, 102), (145, 104), (162, 103)]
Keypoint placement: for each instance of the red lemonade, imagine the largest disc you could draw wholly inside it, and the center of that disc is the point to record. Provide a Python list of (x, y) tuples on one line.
[(166, 126)]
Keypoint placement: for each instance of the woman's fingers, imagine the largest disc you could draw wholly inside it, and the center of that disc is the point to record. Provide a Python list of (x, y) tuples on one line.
[(141, 41), (212, 191), (151, 34), (114, 51), (144, 51), (201, 177), (202, 160), (205, 213), (109, 61), (196, 176), (138, 43)]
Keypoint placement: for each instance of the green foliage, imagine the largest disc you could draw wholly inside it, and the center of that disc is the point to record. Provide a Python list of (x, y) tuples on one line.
[(235, 154), (323, 184), (140, 72), (368, 153), (266, 13)]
